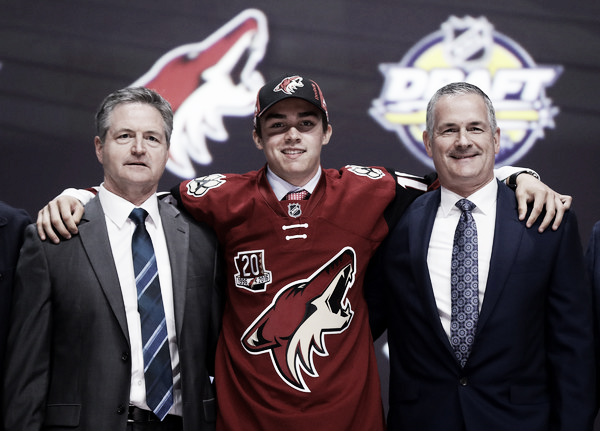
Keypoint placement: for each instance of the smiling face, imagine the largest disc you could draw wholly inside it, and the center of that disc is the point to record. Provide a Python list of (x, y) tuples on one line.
[(292, 138), (462, 143), (134, 152)]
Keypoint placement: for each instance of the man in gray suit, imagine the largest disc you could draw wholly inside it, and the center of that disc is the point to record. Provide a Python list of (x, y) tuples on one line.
[(88, 349)]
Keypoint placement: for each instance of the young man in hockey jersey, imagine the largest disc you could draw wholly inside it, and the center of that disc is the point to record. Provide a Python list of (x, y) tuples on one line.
[(295, 351)]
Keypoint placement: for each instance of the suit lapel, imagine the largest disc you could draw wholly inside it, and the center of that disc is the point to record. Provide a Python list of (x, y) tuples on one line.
[(421, 225), (176, 231), (94, 237), (507, 237)]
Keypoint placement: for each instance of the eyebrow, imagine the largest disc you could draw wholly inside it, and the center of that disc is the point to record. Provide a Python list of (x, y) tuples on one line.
[(276, 115), (454, 124), (128, 130)]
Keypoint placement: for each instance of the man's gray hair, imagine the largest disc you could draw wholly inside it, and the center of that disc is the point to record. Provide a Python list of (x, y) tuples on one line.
[(459, 88), (133, 95)]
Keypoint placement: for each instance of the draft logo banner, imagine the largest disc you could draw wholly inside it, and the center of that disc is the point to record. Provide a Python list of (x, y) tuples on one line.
[(468, 49)]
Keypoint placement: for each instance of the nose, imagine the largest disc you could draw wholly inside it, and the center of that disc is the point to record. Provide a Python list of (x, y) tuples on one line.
[(292, 134), (138, 146), (463, 138)]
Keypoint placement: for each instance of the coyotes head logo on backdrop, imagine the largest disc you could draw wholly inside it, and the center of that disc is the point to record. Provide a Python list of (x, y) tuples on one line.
[(468, 49), (207, 81), (293, 327)]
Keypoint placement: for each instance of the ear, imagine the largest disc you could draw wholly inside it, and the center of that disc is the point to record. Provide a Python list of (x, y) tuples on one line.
[(98, 145), (257, 140), (427, 142), (496, 138), (327, 135)]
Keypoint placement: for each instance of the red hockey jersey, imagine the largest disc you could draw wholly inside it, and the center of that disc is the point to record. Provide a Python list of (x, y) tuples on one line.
[(295, 351)]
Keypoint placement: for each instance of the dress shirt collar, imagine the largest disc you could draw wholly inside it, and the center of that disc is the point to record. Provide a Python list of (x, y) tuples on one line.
[(484, 199), (118, 209), (281, 187)]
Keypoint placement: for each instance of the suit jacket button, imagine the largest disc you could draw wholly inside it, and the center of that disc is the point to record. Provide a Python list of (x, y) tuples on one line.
[(464, 381), (121, 409), (125, 356)]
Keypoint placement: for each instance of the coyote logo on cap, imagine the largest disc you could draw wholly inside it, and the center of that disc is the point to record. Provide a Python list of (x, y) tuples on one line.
[(294, 326), (289, 85)]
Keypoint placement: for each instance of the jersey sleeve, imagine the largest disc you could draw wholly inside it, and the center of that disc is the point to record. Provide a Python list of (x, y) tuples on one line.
[(408, 188)]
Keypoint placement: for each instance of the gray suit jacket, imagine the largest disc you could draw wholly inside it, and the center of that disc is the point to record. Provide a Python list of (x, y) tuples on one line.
[(68, 365)]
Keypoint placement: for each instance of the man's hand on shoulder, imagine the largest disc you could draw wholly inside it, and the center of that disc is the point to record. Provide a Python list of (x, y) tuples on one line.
[(61, 215), (530, 189)]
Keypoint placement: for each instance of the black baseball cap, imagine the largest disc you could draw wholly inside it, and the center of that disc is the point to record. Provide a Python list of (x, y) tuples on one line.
[(287, 86)]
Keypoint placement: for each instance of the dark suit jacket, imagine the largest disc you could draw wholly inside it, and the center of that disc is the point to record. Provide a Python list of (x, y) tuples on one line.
[(593, 265), (532, 362), (69, 366), (593, 258), (12, 227)]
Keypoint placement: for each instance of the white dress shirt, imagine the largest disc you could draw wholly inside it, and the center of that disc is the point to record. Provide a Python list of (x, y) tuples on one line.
[(439, 255), (281, 187), (120, 231)]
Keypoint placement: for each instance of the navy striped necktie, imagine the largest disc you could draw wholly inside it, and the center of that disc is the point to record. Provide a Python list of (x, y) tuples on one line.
[(157, 360)]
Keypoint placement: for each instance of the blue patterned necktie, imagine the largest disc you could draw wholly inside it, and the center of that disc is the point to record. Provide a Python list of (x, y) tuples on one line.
[(464, 283), (157, 360)]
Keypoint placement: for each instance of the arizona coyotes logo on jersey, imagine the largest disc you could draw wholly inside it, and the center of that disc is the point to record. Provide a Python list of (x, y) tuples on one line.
[(293, 327), (289, 84)]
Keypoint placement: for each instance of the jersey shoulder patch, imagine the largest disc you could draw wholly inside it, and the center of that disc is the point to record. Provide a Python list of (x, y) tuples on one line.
[(366, 171), (200, 186)]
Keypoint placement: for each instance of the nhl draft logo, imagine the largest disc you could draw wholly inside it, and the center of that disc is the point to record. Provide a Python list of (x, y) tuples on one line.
[(251, 272), (199, 186), (293, 327), (468, 49)]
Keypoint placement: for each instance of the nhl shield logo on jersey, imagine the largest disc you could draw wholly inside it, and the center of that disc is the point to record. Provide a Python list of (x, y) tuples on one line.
[(294, 209), (366, 171), (199, 186), (252, 274), (293, 328)]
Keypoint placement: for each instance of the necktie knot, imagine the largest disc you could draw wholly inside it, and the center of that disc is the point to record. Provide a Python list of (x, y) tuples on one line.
[(138, 216), (465, 205), (297, 195)]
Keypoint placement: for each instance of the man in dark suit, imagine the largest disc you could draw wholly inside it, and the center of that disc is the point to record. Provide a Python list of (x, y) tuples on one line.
[(88, 350), (12, 226), (489, 323), (592, 257)]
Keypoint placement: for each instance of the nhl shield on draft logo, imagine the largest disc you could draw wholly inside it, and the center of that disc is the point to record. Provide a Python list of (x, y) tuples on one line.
[(294, 210), (468, 49)]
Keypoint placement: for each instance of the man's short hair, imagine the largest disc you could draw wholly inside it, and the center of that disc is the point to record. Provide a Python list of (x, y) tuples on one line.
[(459, 88), (133, 95)]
